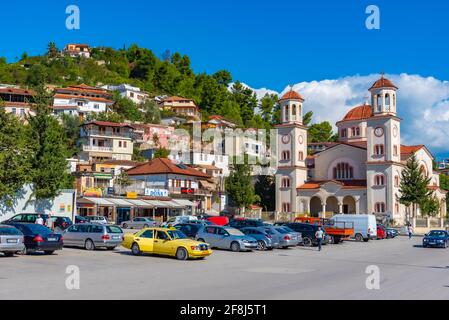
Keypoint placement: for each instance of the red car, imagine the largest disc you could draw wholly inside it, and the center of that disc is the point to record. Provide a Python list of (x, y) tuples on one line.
[(381, 232), (219, 221)]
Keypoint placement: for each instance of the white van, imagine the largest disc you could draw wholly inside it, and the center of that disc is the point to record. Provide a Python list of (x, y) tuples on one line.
[(365, 225)]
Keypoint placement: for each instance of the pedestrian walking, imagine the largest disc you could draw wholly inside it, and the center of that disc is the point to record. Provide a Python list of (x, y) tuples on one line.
[(410, 231), (39, 220), (319, 234)]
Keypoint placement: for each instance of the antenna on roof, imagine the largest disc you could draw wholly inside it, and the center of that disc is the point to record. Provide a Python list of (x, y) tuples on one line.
[(382, 73), (366, 100)]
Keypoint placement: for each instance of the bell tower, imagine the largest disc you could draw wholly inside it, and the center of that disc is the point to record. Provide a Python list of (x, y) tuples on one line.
[(291, 152)]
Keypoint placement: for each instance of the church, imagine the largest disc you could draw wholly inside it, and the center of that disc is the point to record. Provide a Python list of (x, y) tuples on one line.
[(359, 174)]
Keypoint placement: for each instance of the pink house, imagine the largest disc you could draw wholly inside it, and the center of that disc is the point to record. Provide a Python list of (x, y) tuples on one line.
[(149, 132)]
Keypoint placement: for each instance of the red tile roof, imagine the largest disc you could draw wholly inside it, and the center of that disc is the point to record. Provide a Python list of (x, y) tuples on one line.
[(108, 124), (359, 113), (176, 98), (292, 95), (72, 96), (164, 166), (346, 184), (24, 92), (383, 83), (407, 150), (84, 88)]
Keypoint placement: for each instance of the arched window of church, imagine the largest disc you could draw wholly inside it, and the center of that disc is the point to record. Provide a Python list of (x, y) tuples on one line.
[(300, 156), (423, 170), (394, 100), (285, 155), (287, 113), (379, 149), (343, 171), (379, 180), (379, 102), (294, 112), (343, 133), (285, 182), (357, 131), (379, 207), (387, 101)]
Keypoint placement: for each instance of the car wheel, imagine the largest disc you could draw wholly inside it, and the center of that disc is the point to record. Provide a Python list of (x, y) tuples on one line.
[(8, 254), (201, 240), (261, 245), (181, 254), (358, 237), (135, 249), (145, 226), (125, 226), (89, 245), (110, 248), (366, 240), (307, 242), (424, 245), (235, 246), (24, 251), (49, 252)]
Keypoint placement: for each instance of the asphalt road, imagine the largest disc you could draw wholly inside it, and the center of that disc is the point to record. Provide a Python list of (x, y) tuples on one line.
[(407, 271)]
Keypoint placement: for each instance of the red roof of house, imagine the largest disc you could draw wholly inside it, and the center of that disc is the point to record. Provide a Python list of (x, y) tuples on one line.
[(176, 98), (359, 113), (24, 92), (164, 166), (108, 124), (72, 96), (346, 184), (292, 95), (410, 149), (84, 88), (383, 83)]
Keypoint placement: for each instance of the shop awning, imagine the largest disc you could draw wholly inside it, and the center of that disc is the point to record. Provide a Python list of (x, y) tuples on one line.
[(184, 202), (140, 204), (207, 184), (100, 201), (120, 202)]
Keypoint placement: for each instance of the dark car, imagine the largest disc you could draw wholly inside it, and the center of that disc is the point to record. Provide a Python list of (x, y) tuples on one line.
[(38, 238), (28, 217), (246, 223), (392, 233), (436, 238), (189, 229), (81, 219), (61, 223), (308, 233)]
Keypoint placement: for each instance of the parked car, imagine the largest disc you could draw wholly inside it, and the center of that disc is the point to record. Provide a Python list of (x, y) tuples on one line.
[(308, 233), (178, 219), (219, 220), (81, 219), (244, 223), (365, 225), (38, 238), (27, 217), (392, 233), (436, 238), (189, 229), (97, 219), (289, 237), (381, 232), (61, 223), (139, 223), (265, 240), (92, 236), (11, 240), (168, 242), (224, 237)]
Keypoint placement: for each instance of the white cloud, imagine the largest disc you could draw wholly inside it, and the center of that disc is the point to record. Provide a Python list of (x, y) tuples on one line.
[(423, 104)]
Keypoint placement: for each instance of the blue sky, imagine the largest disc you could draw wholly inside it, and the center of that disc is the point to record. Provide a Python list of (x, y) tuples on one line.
[(263, 43)]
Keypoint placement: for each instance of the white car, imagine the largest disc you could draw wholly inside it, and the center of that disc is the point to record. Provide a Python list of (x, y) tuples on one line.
[(179, 219), (97, 219)]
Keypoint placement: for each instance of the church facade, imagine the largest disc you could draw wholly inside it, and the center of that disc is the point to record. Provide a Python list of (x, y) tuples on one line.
[(358, 174)]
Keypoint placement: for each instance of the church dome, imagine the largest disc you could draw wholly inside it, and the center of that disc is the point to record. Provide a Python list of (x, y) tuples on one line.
[(383, 83), (292, 95), (359, 113)]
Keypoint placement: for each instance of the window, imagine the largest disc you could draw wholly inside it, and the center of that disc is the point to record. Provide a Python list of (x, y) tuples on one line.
[(396, 207), (96, 106), (287, 111), (379, 149), (124, 144), (210, 230), (222, 232), (379, 207), (300, 156), (285, 182), (343, 171), (80, 103), (161, 235), (379, 180), (285, 155), (120, 144), (22, 112), (387, 101), (379, 102), (355, 131), (294, 111), (343, 133), (396, 181), (13, 110), (395, 150), (423, 170), (147, 234), (286, 207)]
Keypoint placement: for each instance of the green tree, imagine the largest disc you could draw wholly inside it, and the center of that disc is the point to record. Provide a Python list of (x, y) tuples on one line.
[(246, 99), (265, 188), (123, 181), (268, 106), (152, 113), (430, 206), (307, 118), (126, 108), (240, 188), (161, 153), (110, 116), (49, 165), (52, 50), (15, 156), (223, 77), (71, 125), (321, 132), (413, 187)]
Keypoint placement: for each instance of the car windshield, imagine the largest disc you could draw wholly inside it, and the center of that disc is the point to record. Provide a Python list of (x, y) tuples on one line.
[(8, 231), (235, 232), (270, 231), (114, 229), (437, 234), (282, 230), (176, 234)]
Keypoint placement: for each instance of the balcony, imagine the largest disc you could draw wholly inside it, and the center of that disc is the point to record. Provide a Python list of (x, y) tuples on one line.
[(196, 191), (97, 148), (109, 133)]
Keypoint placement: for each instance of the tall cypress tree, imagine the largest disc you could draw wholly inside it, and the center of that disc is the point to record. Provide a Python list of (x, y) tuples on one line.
[(49, 165), (414, 185)]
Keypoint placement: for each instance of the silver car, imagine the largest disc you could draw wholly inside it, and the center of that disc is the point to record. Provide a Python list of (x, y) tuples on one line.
[(92, 236), (226, 238), (11, 240), (139, 223), (288, 238), (97, 219)]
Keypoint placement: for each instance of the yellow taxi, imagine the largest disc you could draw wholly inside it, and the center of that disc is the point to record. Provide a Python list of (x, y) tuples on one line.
[(167, 242)]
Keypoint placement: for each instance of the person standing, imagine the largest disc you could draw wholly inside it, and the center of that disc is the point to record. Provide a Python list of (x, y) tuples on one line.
[(49, 222), (39, 220), (319, 234), (410, 231)]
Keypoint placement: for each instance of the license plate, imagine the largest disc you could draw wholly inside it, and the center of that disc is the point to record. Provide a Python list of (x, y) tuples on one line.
[(115, 237), (12, 240), (52, 239)]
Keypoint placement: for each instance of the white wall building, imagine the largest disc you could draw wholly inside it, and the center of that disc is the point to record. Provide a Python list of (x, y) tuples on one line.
[(127, 91)]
